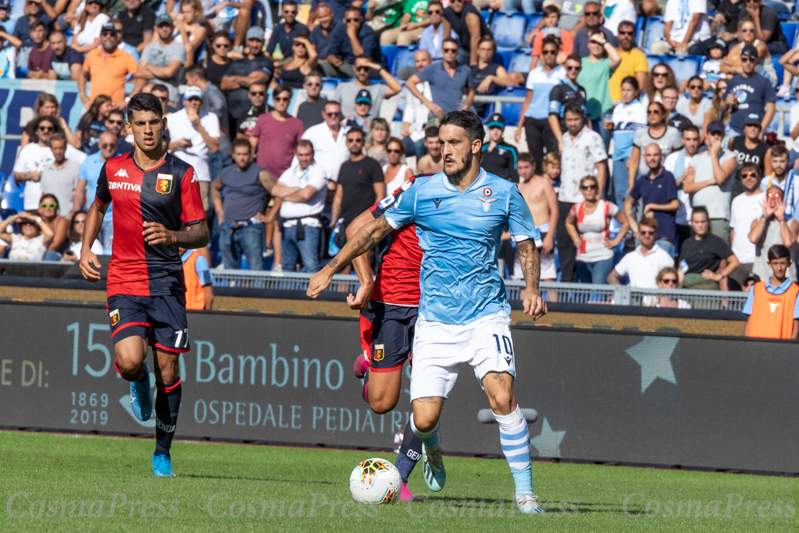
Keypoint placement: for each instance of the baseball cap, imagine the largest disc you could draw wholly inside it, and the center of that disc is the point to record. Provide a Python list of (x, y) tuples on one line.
[(193, 92), (108, 26), (363, 96), (256, 32), (496, 121), (749, 51), (5, 4), (163, 19), (753, 119), (719, 43), (751, 277), (715, 127)]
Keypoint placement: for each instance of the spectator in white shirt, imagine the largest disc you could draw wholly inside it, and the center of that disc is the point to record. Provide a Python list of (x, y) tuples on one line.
[(301, 191), (77, 227), (642, 265), (746, 208), (415, 116), (677, 163), (780, 160), (684, 28), (329, 141), (32, 243), (194, 136)]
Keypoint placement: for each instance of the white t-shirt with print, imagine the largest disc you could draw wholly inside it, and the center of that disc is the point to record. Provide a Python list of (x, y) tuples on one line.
[(23, 249), (180, 127)]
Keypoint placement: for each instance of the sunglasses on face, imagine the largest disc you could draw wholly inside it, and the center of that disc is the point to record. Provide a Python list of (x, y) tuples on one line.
[(626, 33), (595, 42), (746, 30), (362, 68), (642, 232), (549, 53), (45, 129), (163, 98), (572, 69), (80, 221), (393, 151), (450, 50), (434, 12), (222, 45), (107, 33), (107, 146), (287, 12), (113, 121), (312, 84), (670, 281), (48, 206), (355, 140), (748, 60), (257, 93), (774, 195), (653, 112), (330, 115), (749, 175), (660, 74), (588, 187), (282, 99), (592, 13), (352, 20), (694, 87)]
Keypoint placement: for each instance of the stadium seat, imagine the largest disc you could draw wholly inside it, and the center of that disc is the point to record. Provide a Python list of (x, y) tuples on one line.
[(520, 62), (330, 84), (509, 30), (652, 32), (404, 58), (790, 29), (639, 30), (780, 71), (683, 66), (389, 53), (503, 57), (510, 111), (533, 21), (783, 12)]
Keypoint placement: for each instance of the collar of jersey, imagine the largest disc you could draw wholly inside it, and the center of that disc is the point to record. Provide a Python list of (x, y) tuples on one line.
[(781, 288), (480, 179)]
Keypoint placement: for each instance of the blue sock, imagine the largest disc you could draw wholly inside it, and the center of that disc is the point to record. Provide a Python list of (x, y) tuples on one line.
[(429, 438), (409, 454), (514, 436)]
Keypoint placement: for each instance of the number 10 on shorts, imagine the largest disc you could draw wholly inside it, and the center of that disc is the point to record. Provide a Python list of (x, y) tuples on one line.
[(183, 338), (506, 343)]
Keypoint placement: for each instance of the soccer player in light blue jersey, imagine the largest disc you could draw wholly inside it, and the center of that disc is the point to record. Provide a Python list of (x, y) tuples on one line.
[(464, 312)]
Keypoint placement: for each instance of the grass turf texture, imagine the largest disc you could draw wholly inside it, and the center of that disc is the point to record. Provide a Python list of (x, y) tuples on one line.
[(90, 469)]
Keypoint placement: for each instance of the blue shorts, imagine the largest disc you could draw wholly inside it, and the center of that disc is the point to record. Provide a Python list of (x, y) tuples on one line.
[(387, 332), (160, 320)]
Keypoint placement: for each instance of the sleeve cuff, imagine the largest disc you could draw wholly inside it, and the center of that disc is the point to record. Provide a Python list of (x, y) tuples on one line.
[(392, 223), (193, 222)]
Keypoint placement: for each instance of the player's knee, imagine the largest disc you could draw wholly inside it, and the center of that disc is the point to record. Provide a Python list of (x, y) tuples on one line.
[(128, 365), (502, 402), (382, 404)]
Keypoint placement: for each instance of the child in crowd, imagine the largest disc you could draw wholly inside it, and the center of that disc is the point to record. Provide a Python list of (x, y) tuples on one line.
[(552, 169), (772, 305), (363, 105), (536, 37), (711, 68)]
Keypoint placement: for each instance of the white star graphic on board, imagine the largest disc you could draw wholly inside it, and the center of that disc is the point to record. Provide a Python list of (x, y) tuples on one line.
[(548, 442), (654, 356)]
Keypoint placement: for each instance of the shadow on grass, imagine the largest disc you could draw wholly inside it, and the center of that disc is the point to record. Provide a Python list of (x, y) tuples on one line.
[(245, 478), (552, 506)]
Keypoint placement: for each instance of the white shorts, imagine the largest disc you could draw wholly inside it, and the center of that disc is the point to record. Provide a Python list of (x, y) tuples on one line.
[(438, 349), (548, 268)]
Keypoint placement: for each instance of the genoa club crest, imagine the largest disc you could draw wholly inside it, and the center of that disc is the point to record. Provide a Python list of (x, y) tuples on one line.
[(163, 183), (380, 352), (114, 316)]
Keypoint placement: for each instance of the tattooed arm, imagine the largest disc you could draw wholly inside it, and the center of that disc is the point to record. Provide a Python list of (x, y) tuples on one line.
[(191, 237), (365, 240), (530, 262)]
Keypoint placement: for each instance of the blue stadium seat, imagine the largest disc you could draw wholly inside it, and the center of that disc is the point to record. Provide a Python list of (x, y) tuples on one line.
[(510, 111), (404, 58), (330, 84), (652, 32), (533, 21), (503, 57), (389, 53), (790, 29), (684, 67), (509, 29), (520, 62), (640, 22), (775, 59), (783, 12), (486, 15)]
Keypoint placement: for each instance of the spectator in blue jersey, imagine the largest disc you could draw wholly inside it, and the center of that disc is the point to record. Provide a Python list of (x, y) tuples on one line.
[(566, 92), (6, 22), (87, 186), (34, 10), (499, 157), (749, 92), (283, 34), (337, 7), (534, 115), (628, 117), (448, 81), (358, 39), (327, 32)]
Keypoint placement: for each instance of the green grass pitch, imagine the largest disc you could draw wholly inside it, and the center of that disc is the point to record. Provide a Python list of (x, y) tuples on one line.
[(73, 479)]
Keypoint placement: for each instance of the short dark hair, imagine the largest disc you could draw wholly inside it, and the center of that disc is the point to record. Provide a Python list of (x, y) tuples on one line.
[(432, 131), (690, 127), (353, 8), (434, 3), (750, 166), (199, 71), (450, 40), (626, 24), (551, 9), (241, 143), (160, 87), (695, 78), (700, 209), (525, 156), (779, 251), (38, 23), (282, 89), (631, 80), (289, 3), (312, 74), (117, 112), (574, 57), (487, 39), (575, 108), (551, 39), (333, 102), (470, 122), (305, 143), (144, 102), (58, 136), (356, 130), (779, 150)]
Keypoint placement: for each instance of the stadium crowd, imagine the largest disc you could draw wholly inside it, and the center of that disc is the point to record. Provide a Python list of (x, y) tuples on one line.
[(633, 173)]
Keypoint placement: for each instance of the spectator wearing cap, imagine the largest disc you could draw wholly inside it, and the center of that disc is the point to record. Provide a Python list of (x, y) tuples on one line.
[(711, 68), (772, 305), (88, 26), (748, 148), (466, 21), (749, 92), (138, 21), (254, 67), (6, 22), (328, 32), (499, 157), (284, 34), (34, 10), (162, 59), (357, 40), (686, 27), (194, 136), (750, 280), (108, 67), (365, 67), (362, 117), (708, 181), (65, 62), (276, 134), (565, 93), (41, 53), (214, 103), (448, 81), (593, 19), (633, 61)]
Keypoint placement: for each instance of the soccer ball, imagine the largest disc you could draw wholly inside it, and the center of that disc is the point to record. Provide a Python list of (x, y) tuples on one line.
[(375, 481)]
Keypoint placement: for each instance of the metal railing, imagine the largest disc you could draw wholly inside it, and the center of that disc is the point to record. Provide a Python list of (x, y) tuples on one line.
[(573, 293)]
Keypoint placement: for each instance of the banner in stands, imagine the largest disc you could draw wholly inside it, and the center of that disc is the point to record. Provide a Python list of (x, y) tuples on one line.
[(604, 396)]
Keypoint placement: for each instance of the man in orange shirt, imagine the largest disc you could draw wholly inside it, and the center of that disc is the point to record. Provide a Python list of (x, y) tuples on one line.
[(112, 65), (773, 306)]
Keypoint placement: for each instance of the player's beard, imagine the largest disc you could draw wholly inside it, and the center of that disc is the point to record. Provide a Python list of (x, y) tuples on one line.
[(457, 176)]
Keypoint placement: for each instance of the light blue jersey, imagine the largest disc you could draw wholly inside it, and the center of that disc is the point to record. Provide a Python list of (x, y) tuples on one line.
[(460, 236)]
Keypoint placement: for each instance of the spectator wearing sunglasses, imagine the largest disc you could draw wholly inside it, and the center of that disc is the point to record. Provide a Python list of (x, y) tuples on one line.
[(329, 140), (218, 61), (86, 189), (770, 229), (767, 26), (48, 210), (310, 111), (60, 177), (357, 40), (77, 227), (161, 59), (31, 244), (448, 81), (668, 279), (633, 61), (115, 123), (536, 37), (32, 158), (247, 120), (748, 148), (686, 26), (285, 33), (593, 20), (749, 92), (746, 208), (642, 265), (365, 67), (562, 95), (276, 134), (108, 66), (255, 67), (433, 36), (695, 106)]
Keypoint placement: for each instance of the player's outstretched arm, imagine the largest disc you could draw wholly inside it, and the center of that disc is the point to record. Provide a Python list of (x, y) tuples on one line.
[(530, 261), (369, 236), (361, 265), (88, 260), (194, 236)]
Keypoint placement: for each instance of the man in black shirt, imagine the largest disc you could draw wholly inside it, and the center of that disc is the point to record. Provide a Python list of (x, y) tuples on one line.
[(767, 26), (701, 256), (566, 92), (469, 25), (310, 111), (499, 157), (246, 121), (360, 182), (254, 67), (137, 23), (283, 34)]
